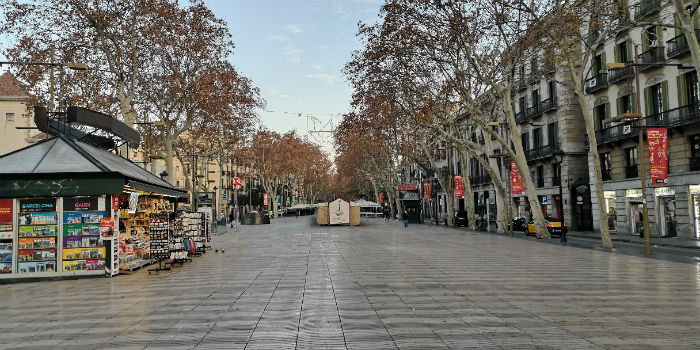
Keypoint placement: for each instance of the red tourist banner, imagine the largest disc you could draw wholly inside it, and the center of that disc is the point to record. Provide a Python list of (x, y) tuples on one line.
[(6, 211), (516, 182), (657, 142), (459, 186), (381, 197), (427, 191), (265, 202)]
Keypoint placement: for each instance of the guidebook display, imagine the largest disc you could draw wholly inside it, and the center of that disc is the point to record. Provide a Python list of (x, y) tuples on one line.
[(5, 236), (159, 236), (82, 248), (36, 243)]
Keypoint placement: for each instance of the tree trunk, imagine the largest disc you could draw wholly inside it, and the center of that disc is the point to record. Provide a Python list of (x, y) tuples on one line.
[(169, 154), (593, 153), (688, 29), (521, 164), (468, 195)]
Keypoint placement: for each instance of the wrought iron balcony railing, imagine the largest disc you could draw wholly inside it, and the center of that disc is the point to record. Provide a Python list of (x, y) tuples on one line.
[(547, 105), (651, 58), (541, 152), (646, 8), (617, 132), (620, 74), (597, 83), (679, 45)]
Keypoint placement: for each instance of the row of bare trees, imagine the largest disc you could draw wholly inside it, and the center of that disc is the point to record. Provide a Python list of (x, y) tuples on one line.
[(437, 74), (158, 62)]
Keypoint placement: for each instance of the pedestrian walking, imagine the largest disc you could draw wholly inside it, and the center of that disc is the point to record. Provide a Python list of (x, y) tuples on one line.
[(230, 217)]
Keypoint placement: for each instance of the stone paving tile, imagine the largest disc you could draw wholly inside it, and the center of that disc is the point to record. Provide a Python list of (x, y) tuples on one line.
[(293, 285)]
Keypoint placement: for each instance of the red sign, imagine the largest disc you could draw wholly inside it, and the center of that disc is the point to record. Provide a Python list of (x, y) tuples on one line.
[(236, 182), (6, 211), (265, 201), (115, 202), (516, 182), (427, 191), (459, 186), (107, 227), (407, 187), (657, 142), (381, 197)]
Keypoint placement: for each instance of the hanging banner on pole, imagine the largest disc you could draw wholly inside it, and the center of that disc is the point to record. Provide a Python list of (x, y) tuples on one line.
[(657, 142), (516, 182), (381, 197), (459, 187), (265, 201), (427, 191)]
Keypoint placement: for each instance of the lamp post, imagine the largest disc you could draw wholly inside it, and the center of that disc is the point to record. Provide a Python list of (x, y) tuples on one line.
[(559, 157)]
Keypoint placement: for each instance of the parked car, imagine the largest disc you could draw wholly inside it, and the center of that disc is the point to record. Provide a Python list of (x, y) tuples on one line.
[(554, 226), (461, 218)]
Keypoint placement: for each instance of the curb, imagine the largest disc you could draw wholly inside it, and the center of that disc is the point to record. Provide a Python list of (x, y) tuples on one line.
[(620, 239)]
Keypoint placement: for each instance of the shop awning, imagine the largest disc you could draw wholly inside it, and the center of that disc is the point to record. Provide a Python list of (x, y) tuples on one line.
[(64, 167)]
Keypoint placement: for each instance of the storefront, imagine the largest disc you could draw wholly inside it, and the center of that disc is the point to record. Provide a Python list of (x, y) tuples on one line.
[(610, 210), (667, 214), (60, 203), (635, 205), (694, 191)]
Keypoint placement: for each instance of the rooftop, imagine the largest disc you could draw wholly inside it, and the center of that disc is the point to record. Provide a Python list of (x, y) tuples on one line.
[(9, 86)]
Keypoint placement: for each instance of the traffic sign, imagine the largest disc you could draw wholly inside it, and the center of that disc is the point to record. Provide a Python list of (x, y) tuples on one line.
[(236, 183)]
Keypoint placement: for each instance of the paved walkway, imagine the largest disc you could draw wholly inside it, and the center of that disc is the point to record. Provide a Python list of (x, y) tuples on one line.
[(379, 286)]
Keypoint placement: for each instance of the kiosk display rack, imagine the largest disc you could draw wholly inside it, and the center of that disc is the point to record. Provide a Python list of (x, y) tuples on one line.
[(36, 236), (82, 248), (6, 236), (159, 236)]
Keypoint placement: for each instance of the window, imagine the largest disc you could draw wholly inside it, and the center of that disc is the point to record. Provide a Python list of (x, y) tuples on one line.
[(552, 90), (625, 104), (522, 105), (622, 52), (537, 138), (535, 97), (598, 65), (695, 152), (605, 166), (631, 162), (556, 174), (553, 133), (655, 99), (533, 66), (177, 183), (687, 89), (540, 176), (9, 117), (177, 169), (600, 116), (525, 138)]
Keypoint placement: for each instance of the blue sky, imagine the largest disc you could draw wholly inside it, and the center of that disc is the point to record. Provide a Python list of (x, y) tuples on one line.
[(294, 52)]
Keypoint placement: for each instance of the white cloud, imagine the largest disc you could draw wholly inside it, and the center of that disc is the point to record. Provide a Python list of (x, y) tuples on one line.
[(293, 28), (284, 96), (279, 38), (291, 54), (328, 78)]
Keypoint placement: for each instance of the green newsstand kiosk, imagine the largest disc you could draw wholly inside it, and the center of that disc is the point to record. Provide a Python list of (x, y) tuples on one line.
[(59, 205)]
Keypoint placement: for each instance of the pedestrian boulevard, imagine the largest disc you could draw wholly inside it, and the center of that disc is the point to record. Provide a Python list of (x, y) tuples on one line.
[(295, 285)]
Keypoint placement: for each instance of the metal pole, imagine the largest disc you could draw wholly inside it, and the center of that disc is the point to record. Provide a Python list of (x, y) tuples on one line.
[(642, 166)]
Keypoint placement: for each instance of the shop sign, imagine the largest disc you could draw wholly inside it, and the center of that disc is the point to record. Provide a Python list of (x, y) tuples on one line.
[(106, 228), (427, 191), (265, 200), (115, 202), (633, 193), (657, 141), (664, 191), (694, 189), (80, 203), (37, 205), (407, 187), (516, 182), (459, 186), (609, 194), (410, 196)]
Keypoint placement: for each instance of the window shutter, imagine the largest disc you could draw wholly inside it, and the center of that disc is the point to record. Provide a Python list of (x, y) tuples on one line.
[(682, 91), (603, 63), (664, 96), (619, 106), (630, 52), (677, 24), (617, 53), (647, 101), (645, 41), (607, 111), (633, 102), (659, 36)]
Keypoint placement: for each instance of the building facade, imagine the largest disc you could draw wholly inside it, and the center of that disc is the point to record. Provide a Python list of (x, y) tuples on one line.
[(14, 113), (669, 98)]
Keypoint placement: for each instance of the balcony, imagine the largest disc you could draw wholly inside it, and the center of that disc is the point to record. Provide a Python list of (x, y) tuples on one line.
[(679, 45), (521, 117), (541, 152), (646, 8), (533, 111), (533, 78), (617, 132), (520, 85), (631, 171), (620, 74), (675, 117), (651, 58), (597, 83), (548, 105), (480, 180)]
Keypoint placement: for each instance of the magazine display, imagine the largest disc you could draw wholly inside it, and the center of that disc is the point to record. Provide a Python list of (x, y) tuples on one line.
[(82, 248), (6, 235), (37, 234)]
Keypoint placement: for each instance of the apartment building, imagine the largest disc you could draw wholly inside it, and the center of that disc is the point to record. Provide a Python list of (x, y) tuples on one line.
[(552, 134), (669, 99), (14, 114)]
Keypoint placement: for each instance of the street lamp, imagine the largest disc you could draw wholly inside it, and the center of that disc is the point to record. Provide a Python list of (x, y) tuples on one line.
[(559, 157)]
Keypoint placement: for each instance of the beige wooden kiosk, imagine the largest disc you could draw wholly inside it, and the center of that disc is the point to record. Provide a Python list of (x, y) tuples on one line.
[(322, 213)]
